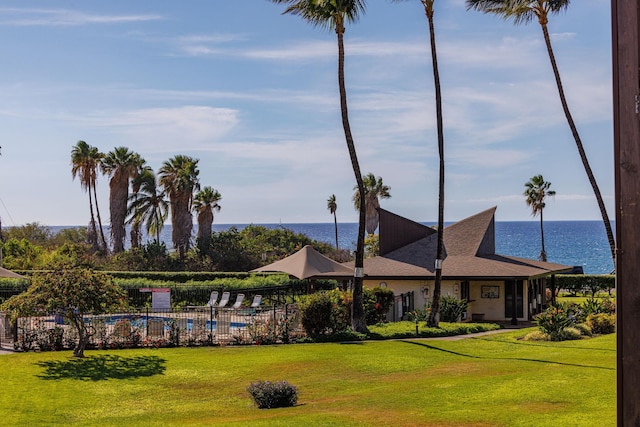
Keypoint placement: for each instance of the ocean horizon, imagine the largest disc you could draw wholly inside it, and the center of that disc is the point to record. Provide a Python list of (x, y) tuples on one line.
[(574, 243)]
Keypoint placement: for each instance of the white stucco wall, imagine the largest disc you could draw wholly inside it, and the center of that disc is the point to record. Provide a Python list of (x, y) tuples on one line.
[(492, 309)]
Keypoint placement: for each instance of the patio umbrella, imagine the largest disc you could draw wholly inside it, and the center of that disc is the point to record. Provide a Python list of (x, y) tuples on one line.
[(10, 274), (308, 263)]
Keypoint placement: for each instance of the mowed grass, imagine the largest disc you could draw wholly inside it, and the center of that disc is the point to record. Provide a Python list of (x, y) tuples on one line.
[(494, 380)]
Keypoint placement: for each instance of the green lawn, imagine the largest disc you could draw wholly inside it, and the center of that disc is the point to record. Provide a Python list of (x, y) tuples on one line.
[(494, 380)]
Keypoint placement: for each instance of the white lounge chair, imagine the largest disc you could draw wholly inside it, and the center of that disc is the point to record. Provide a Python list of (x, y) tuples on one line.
[(213, 299), (224, 299), (257, 300), (238, 303)]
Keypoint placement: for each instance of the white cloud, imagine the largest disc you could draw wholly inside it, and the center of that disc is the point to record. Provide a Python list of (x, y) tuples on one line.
[(62, 17)]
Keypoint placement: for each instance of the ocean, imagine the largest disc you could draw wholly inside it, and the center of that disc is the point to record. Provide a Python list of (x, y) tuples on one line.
[(575, 243)]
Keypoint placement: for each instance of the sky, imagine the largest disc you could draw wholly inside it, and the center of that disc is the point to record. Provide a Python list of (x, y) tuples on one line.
[(253, 95)]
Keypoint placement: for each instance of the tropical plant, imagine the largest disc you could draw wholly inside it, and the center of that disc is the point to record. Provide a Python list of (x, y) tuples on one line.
[(204, 204), (121, 165), (332, 15), (332, 206), (179, 178), (85, 161), (452, 308), (524, 11), (536, 191), (72, 293), (135, 233), (374, 190), (148, 204)]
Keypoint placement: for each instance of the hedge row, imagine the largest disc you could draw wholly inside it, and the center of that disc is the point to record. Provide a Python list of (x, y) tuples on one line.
[(592, 283)]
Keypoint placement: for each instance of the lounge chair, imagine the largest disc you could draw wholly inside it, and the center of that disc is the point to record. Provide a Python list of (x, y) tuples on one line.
[(213, 299), (156, 328), (224, 299), (238, 303), (257, 300)]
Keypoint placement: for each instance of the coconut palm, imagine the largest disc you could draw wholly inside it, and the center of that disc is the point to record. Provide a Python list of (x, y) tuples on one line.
[(121, 165), (332, 15), (148, 205), (374, 190), (85, 161), (136, 183), (333, 207), (205, 203), (524, 11), (179, 178), (537, 189), (434, 314)]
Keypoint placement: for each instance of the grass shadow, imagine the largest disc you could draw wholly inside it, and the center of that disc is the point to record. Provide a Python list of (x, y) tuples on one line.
[(522, 359), (540, 344), (102, 367)]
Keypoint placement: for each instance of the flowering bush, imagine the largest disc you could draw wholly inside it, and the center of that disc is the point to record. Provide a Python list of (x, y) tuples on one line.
[(268, 395), (553, 320)]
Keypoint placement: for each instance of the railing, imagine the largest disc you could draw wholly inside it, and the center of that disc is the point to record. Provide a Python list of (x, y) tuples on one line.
[(194, 326)]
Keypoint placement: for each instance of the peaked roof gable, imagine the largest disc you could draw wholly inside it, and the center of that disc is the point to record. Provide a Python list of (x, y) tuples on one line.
[(472, 236), (397, 232)]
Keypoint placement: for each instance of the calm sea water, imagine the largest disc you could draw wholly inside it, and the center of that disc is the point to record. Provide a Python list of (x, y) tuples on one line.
[(579, 243)]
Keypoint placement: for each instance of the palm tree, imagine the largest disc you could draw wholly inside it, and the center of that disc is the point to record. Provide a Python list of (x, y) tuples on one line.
[(333, 207), (179, 178), (148, 205), (85, 160), (524, 11), (332, 15), (204, 203), (434, 314), (121, 165), (136, 183), (374, 190), (537, 189)]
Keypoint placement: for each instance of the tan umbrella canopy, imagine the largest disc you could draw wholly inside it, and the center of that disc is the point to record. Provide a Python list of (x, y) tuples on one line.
[(308, 263), (9, 274)]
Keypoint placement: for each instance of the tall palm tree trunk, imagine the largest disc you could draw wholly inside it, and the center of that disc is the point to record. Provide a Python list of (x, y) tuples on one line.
[(576, 136), (358, 321), (119, 194), (434, 315), (543, 252), (335, 223), (95, 197), (94, 231)]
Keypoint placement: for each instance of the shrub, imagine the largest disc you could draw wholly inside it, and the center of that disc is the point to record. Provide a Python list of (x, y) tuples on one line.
[(324, 313), (537, 336), (377, 302), (567, 334), (584, 329), (268, 395), (554, 319), (602, 323), (451, 308)]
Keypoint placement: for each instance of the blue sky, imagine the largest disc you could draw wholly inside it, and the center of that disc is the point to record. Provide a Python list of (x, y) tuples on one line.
[(253, 94)]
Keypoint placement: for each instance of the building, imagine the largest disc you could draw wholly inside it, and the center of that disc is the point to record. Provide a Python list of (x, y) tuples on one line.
[(498, 287)]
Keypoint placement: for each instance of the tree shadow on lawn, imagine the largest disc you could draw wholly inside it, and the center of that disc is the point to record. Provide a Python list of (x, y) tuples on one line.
[(541, 344), (522, 359), (102, 367)]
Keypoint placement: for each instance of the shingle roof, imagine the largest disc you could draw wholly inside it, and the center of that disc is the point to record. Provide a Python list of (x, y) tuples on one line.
[(469, 253)]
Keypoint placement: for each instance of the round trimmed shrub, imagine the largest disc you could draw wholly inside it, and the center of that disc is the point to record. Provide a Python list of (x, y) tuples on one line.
[(268, 394), (602, 323)]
